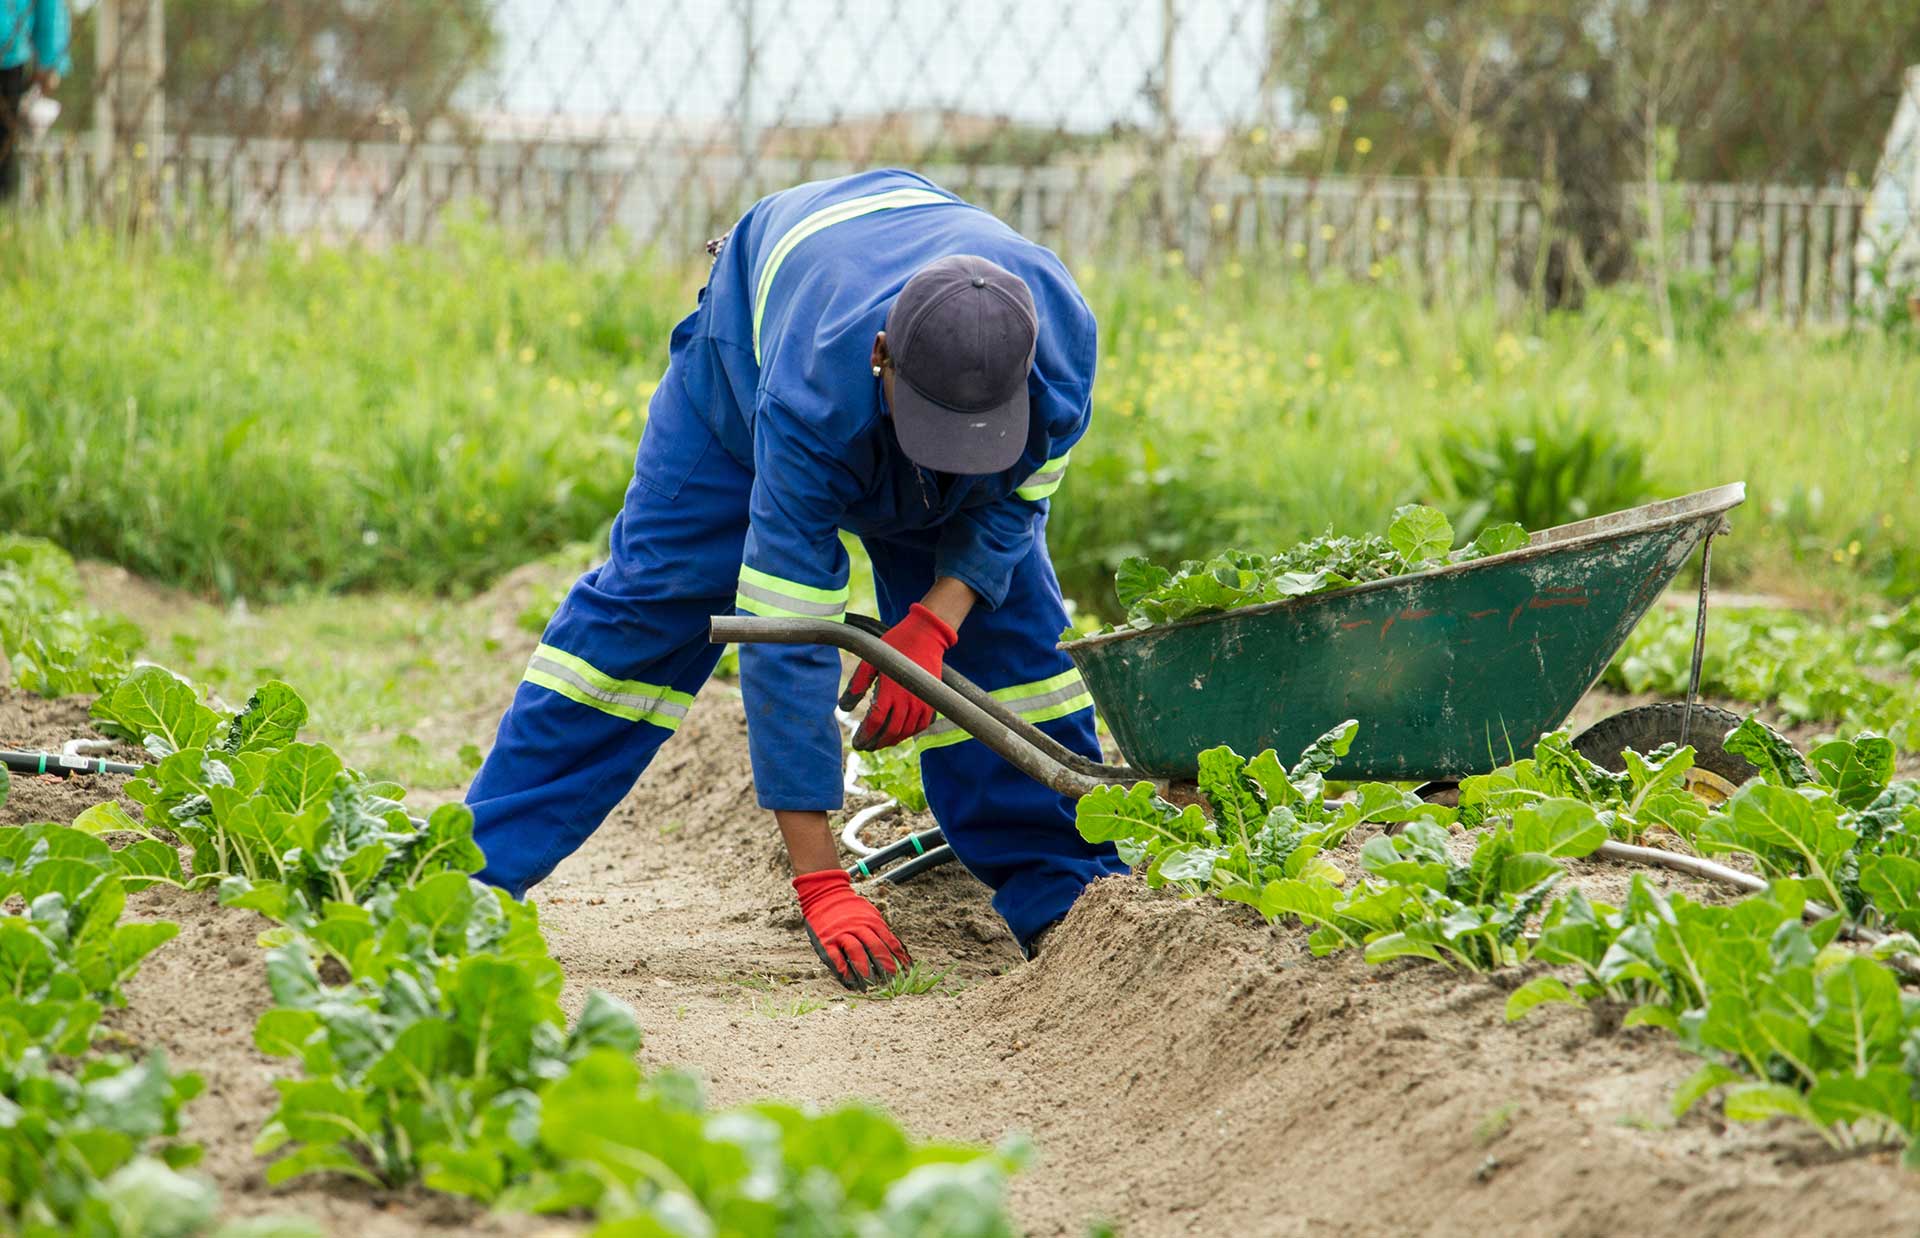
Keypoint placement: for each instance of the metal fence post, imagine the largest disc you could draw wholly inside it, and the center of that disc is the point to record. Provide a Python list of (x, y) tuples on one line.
[(129, 105)]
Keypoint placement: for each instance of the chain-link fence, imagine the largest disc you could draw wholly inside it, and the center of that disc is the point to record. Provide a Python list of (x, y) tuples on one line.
[(1766, 152)]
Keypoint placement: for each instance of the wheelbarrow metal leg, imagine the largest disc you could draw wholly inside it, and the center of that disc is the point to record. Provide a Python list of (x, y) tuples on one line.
[(1699, 637)]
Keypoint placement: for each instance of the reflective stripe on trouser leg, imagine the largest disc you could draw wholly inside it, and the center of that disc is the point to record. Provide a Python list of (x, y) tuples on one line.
[(1013, 833), (621, 658), (579, 680), (762, 593)]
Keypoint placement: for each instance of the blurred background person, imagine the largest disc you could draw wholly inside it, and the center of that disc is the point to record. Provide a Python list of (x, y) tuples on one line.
[(33, 52)]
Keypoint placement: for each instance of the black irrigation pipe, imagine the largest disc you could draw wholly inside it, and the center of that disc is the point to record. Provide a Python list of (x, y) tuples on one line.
[(927, 848), (63, 765), (919, 864)]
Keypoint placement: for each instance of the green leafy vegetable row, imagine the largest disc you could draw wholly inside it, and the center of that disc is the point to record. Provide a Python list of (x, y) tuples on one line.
[(442, 1054), (1790, 1023), (1266, 843), (283, 827), (54, 642), (423, 1011), (88, 1138), (1836, 819), (1418, 538)]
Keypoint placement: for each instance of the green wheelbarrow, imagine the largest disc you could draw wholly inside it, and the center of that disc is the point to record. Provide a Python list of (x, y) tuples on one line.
[(1451, 672)]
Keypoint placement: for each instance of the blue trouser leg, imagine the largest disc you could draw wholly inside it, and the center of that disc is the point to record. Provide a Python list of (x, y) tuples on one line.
[(623, 655), (1013, 833)]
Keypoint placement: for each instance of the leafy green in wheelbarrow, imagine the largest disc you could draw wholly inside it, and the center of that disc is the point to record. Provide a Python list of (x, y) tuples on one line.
[(1418, 538)]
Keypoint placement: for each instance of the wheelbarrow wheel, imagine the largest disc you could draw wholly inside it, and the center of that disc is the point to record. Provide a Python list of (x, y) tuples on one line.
[(1716, 773)]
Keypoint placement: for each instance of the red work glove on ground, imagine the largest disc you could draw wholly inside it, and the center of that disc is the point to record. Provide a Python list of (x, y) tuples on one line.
[(847, 931), (897, 715)]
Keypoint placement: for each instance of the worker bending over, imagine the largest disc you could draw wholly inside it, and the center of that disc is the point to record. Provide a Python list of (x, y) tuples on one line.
[(870, 355)]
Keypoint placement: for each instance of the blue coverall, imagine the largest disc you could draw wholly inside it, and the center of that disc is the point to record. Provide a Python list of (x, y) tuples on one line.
[(766, 438)]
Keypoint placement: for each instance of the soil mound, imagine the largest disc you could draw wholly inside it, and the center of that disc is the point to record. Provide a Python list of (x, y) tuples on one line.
[(1182, 1067)]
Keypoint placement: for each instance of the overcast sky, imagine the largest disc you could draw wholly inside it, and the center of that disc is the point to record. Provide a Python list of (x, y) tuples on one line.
[(1077, 63)]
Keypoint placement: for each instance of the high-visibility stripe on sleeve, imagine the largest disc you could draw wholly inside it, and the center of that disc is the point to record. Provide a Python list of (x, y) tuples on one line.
[(579, 680), (1046, 480), (1041, 701), (826, 217), (762, 593)]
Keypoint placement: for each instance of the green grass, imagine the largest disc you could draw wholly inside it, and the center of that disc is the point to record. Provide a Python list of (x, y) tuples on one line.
[(430, 417), (912, 982), (764, 996), (1494, 1124), (337, 419), (1258, 412), (402, 683), (792, 1008)]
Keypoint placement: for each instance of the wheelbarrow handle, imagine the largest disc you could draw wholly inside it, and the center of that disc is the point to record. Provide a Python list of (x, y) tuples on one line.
[(1012, 721), (970, 708)]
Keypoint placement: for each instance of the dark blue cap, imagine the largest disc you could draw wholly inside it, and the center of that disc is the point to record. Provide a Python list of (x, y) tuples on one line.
[(962, 335)]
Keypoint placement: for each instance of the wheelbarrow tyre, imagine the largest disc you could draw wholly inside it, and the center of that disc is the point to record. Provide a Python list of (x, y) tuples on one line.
[(1647, 727)]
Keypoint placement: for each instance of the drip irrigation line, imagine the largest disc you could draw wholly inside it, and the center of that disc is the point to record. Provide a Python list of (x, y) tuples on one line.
[(919, 846), (922, 852), (1906, 964), (850, 833), (66, 764), (1692, 865), (919, 864), (63, 764)]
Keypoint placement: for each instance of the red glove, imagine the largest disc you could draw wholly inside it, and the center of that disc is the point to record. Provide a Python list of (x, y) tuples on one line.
[(846, 930), (896, 714)]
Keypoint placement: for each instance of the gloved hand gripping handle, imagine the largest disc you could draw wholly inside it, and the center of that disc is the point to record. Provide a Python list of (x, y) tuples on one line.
[(1029, 749)]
